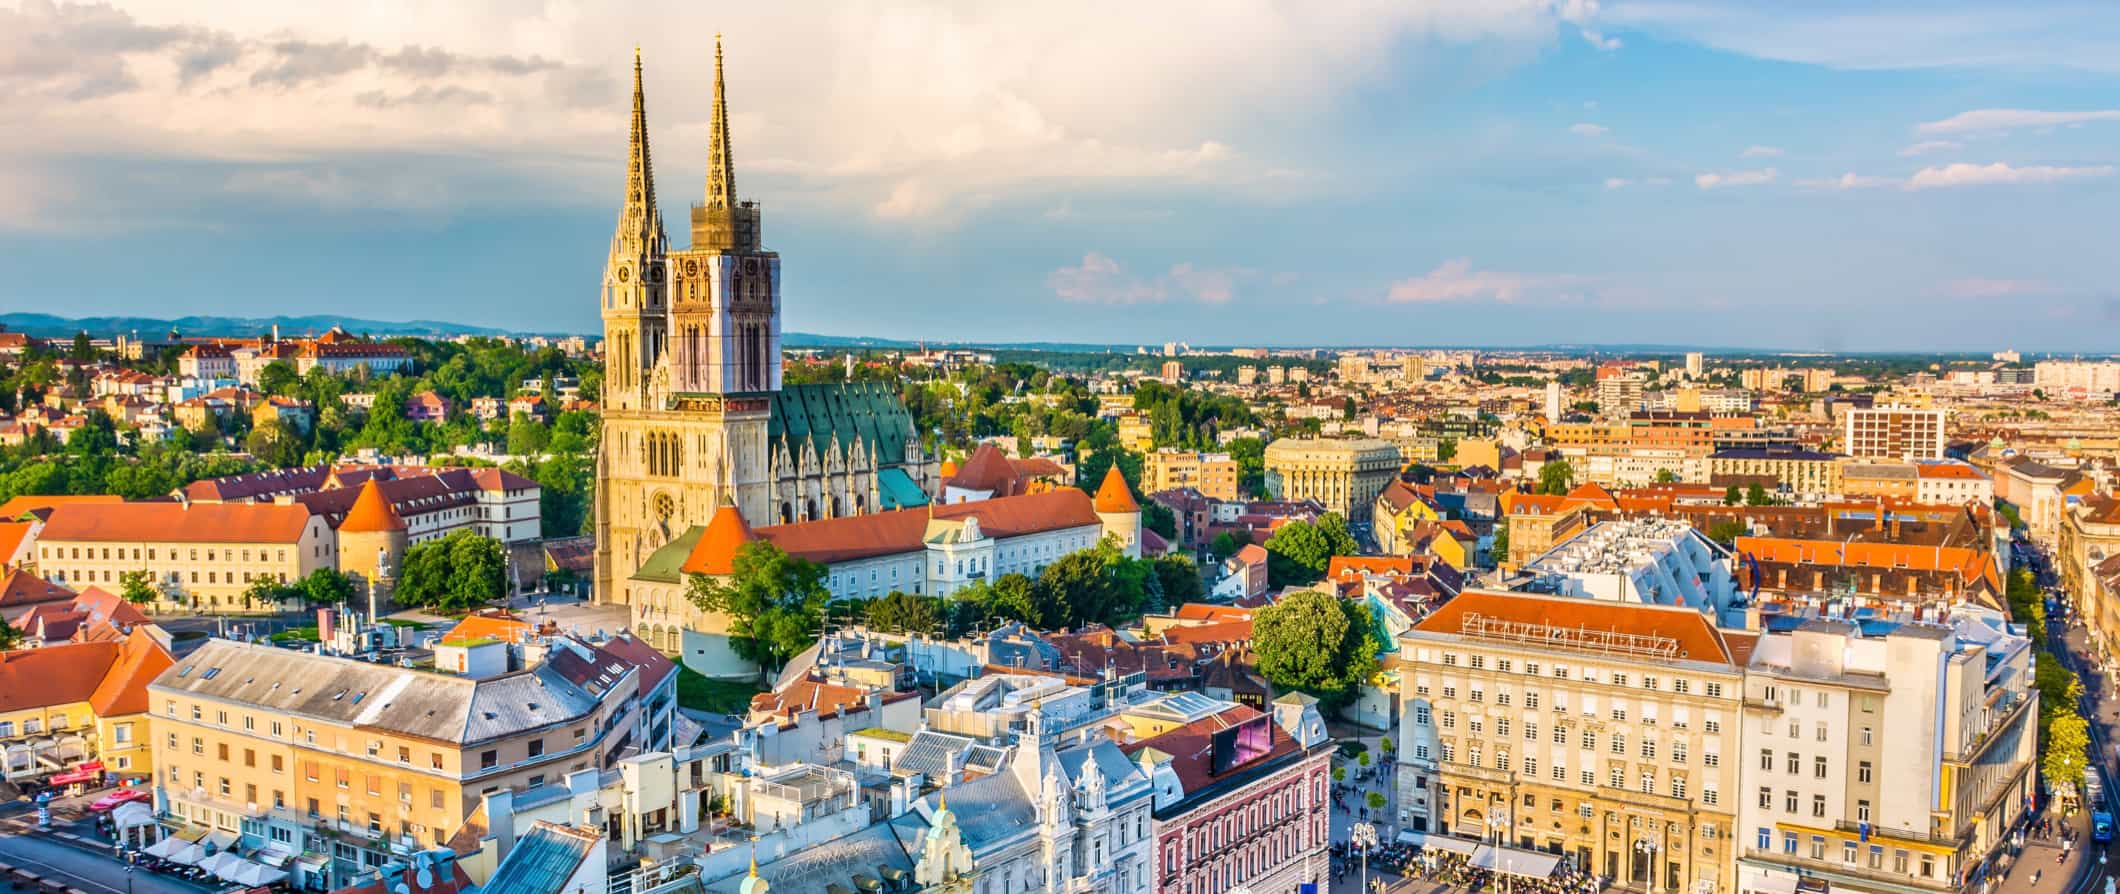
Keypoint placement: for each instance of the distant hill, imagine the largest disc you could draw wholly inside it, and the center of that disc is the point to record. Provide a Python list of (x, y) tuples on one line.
[(50, 326)]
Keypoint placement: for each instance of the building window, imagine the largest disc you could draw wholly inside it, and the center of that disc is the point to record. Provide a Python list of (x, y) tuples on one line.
[(487, 760), (1862, 772), (1709, 797), (1788, 801), (1818, 805), (1818, 767)]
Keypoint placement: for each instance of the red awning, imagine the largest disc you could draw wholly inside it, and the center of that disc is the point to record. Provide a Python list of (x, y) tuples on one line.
[(87, 766), (77, 776)]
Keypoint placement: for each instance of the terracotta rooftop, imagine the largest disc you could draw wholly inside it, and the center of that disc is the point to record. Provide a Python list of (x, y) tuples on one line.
[(1200, 611), (986, 469), (177, 523), (20, 589), (490, 625), (371, 512), (11, 536), (18, 506), (53, 675), (1113, 495), (726, 534), (1192, 750), (1687, 628)]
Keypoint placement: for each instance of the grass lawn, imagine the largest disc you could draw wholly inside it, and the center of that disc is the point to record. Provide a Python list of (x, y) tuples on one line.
[(401, 622), (296, 634), (713, 696)]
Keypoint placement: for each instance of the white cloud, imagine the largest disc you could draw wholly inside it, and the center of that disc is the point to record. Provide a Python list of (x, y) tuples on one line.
[(1616, 183), (1735, 178), (1910, 34), (1928, 146), (1850, 180), (908, 110), (1455, 280), (1991, 120), (1587, 129), (1982, 287), (1760, 152), (1980, 175), (1101, 280)]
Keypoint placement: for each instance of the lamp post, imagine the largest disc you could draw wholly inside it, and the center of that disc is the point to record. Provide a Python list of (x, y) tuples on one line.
[(1647, 848), (1364, 836)]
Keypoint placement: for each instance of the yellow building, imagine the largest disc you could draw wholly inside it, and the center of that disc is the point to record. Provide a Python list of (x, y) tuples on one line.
[(1135, 434), (204, 555), (1212, 474), (1797, 471), (1343, 474), (1605, 731), (341, 760), (79, 707)]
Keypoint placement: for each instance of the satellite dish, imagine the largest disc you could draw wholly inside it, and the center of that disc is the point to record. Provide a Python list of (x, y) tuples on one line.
[(425, 877), (401, 889)]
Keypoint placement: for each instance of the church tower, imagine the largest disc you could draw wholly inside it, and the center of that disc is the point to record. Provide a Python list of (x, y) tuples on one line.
[(692, 361), (634, 305)]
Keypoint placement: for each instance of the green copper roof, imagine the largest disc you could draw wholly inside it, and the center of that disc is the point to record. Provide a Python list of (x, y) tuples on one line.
[(899, 490), (830, 412), (666, 565)]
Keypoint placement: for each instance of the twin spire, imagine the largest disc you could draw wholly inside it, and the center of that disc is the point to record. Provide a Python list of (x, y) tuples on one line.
[(645, 219)]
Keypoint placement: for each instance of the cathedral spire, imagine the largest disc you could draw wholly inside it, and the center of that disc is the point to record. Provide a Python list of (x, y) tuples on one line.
[(640, 219), (721, 170)]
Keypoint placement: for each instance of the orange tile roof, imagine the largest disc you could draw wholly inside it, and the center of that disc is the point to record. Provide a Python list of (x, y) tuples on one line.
[(1113, 495), (1221, 632), (371, 512), (987, 469), (140, 660), (903, 530), (21, 588), (1200, 611), (16, 507), (1519, 503), (1350, 567), (1969, 564), (177, 522), (53, 675), (489, 625), (1697, 640), (11, 536), (715, 553)]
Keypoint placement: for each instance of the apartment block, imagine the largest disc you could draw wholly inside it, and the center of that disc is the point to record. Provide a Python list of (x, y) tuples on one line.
[(1212, 474), (1902, 433)]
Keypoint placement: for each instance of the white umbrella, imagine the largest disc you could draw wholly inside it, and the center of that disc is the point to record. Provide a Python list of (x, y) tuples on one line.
[(161, 850), (232, 869), (186, 853), (255, 875), (214, 863), (132, 814)]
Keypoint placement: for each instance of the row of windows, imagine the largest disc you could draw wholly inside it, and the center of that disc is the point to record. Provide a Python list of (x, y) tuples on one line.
[(1560, 706), (33, 726), (152, 554), (1650, 682), (1852, 853)]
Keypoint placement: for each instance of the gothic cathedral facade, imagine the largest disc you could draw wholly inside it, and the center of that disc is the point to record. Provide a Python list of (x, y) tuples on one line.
[(694, 415)]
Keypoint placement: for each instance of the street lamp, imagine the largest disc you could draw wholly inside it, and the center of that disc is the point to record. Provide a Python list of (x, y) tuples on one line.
[(1364, 836), (1647, 847)]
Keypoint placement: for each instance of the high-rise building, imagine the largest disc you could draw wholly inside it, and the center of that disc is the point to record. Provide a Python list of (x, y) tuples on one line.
[(1173, 371), (1212, 474), (1553, 401), (1276, 375), (1894, 433), (1247, 375), (1693, 364), (694, 414)]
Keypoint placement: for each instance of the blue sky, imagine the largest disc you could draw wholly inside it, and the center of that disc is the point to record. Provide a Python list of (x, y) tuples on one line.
[(1883, 176)]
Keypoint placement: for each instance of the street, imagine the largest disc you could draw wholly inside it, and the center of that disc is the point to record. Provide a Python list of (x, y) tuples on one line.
[(80, 866)]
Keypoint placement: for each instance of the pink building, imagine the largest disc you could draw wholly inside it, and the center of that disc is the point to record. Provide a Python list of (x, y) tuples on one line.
[(1243, 799), (427, 406)]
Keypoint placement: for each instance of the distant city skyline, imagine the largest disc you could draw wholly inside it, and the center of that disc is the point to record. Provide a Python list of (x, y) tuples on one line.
[(1931, 176)]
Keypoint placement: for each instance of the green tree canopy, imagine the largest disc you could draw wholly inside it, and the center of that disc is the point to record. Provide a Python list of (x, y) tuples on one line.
[(1180, 579), (774, 602), (459, 572), (1227, 543), (1318, 643), (1299, 552), (906, 613), (1732, 496), (326, 586), (1756, 495), (137, 587), (1556, 477)]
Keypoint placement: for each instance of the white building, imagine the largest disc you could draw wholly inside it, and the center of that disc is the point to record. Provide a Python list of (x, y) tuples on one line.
[(1893, 433), (1884, 758), (1652, 561)]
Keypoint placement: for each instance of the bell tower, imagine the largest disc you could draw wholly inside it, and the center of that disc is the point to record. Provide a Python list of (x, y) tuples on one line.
[(635, 304), (725, 301)]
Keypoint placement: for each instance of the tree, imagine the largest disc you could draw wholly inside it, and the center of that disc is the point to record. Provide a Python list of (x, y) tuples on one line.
[(774, 602), (9, 636), (2067, 746), (1227, 543), (1376, 799), (263, 591), (1666, 476), (1726, 530), (906, 613), (1731, 496), (1160, 519), (325, 586), (1500, 550), (1318, 643), (1099, 585), (1339, 774), (1446, 450), (1299, 552), (1180, 579), (137, 587), (459, 572), (1756, 495), (1556, 477)]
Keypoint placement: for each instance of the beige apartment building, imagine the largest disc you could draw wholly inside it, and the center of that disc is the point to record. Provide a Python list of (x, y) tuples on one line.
[(1795, 471), (1343, 474), (198, 554), (1212, 474), (336, 761), (1605, 731)]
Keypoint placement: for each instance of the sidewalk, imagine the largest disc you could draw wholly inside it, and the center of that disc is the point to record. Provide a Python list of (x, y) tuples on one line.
[(2080, 872)]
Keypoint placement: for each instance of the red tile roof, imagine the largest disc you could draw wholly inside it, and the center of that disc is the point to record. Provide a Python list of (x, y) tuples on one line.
[(15, 508), (726, 534), (1191, 748), (20, 589), (11, 536), (371, 512), (654, 665), (139, 661), (1200, 611), (53, 675), (1696, 639), (177, 523), (987, 469), (1223, 632), (1351, 567)]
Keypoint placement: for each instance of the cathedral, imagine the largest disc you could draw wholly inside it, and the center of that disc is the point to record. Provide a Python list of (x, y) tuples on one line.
[(695, 416)]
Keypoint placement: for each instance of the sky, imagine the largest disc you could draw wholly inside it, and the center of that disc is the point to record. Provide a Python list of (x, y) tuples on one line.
[(1804, 175)]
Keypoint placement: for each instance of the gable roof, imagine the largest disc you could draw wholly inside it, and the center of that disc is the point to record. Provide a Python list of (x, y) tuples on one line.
[(177, 522), (1685, 628), (20, 589), (1191, 749), (16, 507), (725, 535), (140, 659), (654, 665), (986, 469), (59, 674)]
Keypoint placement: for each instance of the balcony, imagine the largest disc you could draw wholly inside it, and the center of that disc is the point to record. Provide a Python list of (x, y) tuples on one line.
[(1834, 870), (1987, 738), (1957, 843)]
